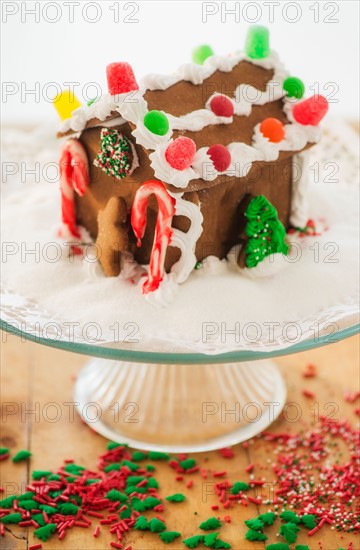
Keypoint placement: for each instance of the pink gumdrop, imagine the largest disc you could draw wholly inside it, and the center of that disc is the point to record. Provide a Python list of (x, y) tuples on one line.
[(180, 153), (311, 111), (220, 157), (120, 78), (222, 106)]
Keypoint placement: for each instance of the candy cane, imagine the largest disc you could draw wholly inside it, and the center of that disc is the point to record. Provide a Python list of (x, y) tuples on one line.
[(74, 176), (163, 231)]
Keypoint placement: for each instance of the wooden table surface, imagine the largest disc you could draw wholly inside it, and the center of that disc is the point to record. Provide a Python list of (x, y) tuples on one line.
[(33, 376)]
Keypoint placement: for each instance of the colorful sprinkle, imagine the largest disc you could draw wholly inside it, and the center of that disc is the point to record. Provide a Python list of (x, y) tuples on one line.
[(21, 455), (169, 536), (44, 533), (193, 542), (278, 546), (289, 531), (239, 486), (177, 497), (211, 523), (255, 535), (256, 524)]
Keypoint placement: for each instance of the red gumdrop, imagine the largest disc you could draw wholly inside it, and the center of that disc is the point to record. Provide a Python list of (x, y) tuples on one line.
[(220, 157), (180, 153), (272, 129), (311, 111), (120, 78), (222, 106)]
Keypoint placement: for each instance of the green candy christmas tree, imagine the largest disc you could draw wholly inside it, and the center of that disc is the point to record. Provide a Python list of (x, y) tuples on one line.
[(266, 234)]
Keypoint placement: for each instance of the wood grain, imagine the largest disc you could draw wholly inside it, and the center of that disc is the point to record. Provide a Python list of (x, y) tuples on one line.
[(36, 392)]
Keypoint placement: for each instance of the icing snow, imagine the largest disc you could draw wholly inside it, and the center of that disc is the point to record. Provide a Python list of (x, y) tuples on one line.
[(319, 278)]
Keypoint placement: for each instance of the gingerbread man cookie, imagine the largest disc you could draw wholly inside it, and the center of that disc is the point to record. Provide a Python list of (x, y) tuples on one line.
[(112, 237)]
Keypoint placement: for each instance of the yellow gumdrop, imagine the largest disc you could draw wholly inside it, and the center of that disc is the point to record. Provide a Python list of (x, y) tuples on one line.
[(65, 103)]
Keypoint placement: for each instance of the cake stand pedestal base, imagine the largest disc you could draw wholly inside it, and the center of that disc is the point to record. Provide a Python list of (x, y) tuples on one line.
[(179, 408)]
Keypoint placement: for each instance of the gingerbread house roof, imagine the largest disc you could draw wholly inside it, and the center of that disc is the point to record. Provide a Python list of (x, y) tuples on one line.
[(252, 88)]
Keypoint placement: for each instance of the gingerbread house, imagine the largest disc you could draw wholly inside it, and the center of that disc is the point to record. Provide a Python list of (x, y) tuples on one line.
[(166, 170)]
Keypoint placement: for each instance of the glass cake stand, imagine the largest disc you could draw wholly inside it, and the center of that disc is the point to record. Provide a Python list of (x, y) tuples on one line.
[(166, 400)]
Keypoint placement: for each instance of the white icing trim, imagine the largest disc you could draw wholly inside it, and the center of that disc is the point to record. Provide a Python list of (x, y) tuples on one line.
[(196, 74), (242, 155), (300, 182), (269, 267), (190, 72), (133, 107), (164, 172), (197, 120), (135, 163), (100, 109), (186, 241)]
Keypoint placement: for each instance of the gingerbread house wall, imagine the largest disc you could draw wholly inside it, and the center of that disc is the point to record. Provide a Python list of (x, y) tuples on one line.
[(220, 198), (219, 204)]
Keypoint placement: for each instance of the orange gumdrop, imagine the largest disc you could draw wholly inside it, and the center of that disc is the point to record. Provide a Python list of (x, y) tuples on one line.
[(272, 129)]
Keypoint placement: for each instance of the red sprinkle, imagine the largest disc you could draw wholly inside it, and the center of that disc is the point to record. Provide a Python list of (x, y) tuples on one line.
[(227, 452), (116, 545), (96, 532), (35, 547), (313, 531), (308, 393), (351, 397), (142, 483), (310, 369), (254, 500), (100, 516)]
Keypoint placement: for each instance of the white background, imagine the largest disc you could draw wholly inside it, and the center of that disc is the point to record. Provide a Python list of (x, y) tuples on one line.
[(318, 41)]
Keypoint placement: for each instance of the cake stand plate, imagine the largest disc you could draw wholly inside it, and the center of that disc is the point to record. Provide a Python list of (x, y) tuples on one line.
[(179, 408), (177, 402)]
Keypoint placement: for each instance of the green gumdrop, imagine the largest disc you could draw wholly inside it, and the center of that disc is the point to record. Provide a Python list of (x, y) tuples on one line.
[(294, 87), (156, 122), (201, 53), (257, 42)]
